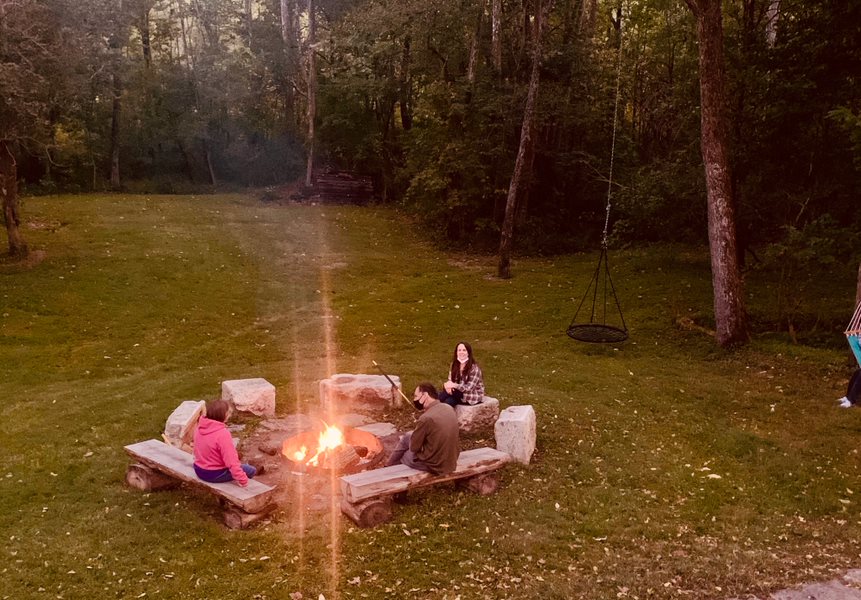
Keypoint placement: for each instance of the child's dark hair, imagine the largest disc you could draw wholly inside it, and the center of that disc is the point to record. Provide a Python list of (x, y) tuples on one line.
[(217, 410)]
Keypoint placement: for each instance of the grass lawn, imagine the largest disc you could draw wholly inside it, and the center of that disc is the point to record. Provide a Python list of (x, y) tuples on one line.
[(665, 467)]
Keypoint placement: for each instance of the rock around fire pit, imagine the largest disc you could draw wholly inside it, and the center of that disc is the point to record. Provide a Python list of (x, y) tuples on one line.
[(346, 391)]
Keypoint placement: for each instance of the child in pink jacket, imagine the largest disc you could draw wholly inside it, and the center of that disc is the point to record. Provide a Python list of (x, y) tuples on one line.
[(215, 457)]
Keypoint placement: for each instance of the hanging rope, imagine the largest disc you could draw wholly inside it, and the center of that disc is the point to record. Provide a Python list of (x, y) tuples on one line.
[(613, 139), (600, 331)]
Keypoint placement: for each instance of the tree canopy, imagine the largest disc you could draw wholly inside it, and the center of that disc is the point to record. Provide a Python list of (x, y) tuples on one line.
[(428, 97)]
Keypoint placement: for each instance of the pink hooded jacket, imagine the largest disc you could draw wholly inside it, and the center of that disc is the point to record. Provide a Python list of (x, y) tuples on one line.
[(213, 449)]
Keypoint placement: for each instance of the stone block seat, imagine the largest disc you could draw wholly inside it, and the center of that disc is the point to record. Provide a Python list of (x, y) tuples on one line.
[(256, 396), (515, 432), (475, 417), (182, 423), (351, 391)]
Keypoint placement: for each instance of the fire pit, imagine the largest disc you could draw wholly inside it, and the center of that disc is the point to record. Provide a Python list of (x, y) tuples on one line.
[(346, 450)]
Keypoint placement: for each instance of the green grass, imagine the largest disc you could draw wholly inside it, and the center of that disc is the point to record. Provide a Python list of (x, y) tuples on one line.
[(665, 467)]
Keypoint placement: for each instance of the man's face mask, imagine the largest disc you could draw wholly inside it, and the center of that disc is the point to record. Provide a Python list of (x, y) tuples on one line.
[(417, 402)]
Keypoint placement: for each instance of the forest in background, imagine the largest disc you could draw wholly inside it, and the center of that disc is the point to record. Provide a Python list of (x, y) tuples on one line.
[(427, 97)]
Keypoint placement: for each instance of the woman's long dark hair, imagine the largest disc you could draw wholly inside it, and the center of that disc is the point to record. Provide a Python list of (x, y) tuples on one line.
[(454, 375)]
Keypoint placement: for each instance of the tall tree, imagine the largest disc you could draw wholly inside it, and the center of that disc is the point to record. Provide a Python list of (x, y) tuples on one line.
[(118, 36), (289, 38), (312, 88), (29, 48), (9, 195), (526, 150), (496, 34), (729, 305), (772, 16)]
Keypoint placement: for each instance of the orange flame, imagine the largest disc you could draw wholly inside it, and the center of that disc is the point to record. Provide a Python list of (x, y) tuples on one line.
[(330, 438)]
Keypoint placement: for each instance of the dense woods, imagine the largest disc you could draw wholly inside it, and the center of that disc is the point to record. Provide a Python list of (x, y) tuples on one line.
[(429, 96)]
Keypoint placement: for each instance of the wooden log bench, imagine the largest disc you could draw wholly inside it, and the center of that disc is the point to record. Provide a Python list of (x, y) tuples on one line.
[(161, 466), (367, 496)]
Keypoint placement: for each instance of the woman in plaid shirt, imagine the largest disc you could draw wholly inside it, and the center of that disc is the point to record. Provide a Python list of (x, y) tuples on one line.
[(465, 384)]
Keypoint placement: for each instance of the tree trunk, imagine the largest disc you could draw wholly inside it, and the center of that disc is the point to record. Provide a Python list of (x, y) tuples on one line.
[(312, 89), (289, 39), (729, 306), (496, 34), (772, 16), (404, 87), (523, 164), (473, 48), (208, 155), (9, 196), (248, 24), (588, 15), (145, 37), (187, 160), (115, 132)]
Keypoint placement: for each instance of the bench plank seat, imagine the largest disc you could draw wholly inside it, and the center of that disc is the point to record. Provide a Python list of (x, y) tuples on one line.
[(400, 478), (164, 458)]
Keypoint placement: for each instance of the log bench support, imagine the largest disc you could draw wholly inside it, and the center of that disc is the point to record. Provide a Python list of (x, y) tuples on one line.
[(160, 466), (145, 479), (367, 497)]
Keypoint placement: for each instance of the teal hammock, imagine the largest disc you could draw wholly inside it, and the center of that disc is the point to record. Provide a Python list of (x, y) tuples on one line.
[(853, 334)]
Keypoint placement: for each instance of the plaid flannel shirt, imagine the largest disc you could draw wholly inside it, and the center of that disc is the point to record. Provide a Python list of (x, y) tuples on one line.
[(472, 386)]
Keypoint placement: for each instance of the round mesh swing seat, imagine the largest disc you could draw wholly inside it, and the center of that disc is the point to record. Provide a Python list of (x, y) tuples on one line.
[(597, 333), (602, 327)]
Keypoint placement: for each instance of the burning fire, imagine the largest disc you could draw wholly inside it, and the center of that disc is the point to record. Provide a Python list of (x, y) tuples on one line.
[(330, 438)]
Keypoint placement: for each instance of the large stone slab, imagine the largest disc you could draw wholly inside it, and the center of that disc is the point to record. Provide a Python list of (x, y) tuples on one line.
[(380, 430), (291, 424), (256, 396), (475, 417), (180, 426), (345, 391), (515, 432)]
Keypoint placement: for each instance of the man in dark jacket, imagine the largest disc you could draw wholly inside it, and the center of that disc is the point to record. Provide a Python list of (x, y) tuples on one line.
[(434, 444)]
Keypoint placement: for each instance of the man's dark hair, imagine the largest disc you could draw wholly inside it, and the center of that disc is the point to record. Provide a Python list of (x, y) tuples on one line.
[(430, 389), (217, 410)]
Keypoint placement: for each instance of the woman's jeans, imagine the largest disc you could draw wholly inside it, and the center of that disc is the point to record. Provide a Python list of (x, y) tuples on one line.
[(453, 399)]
